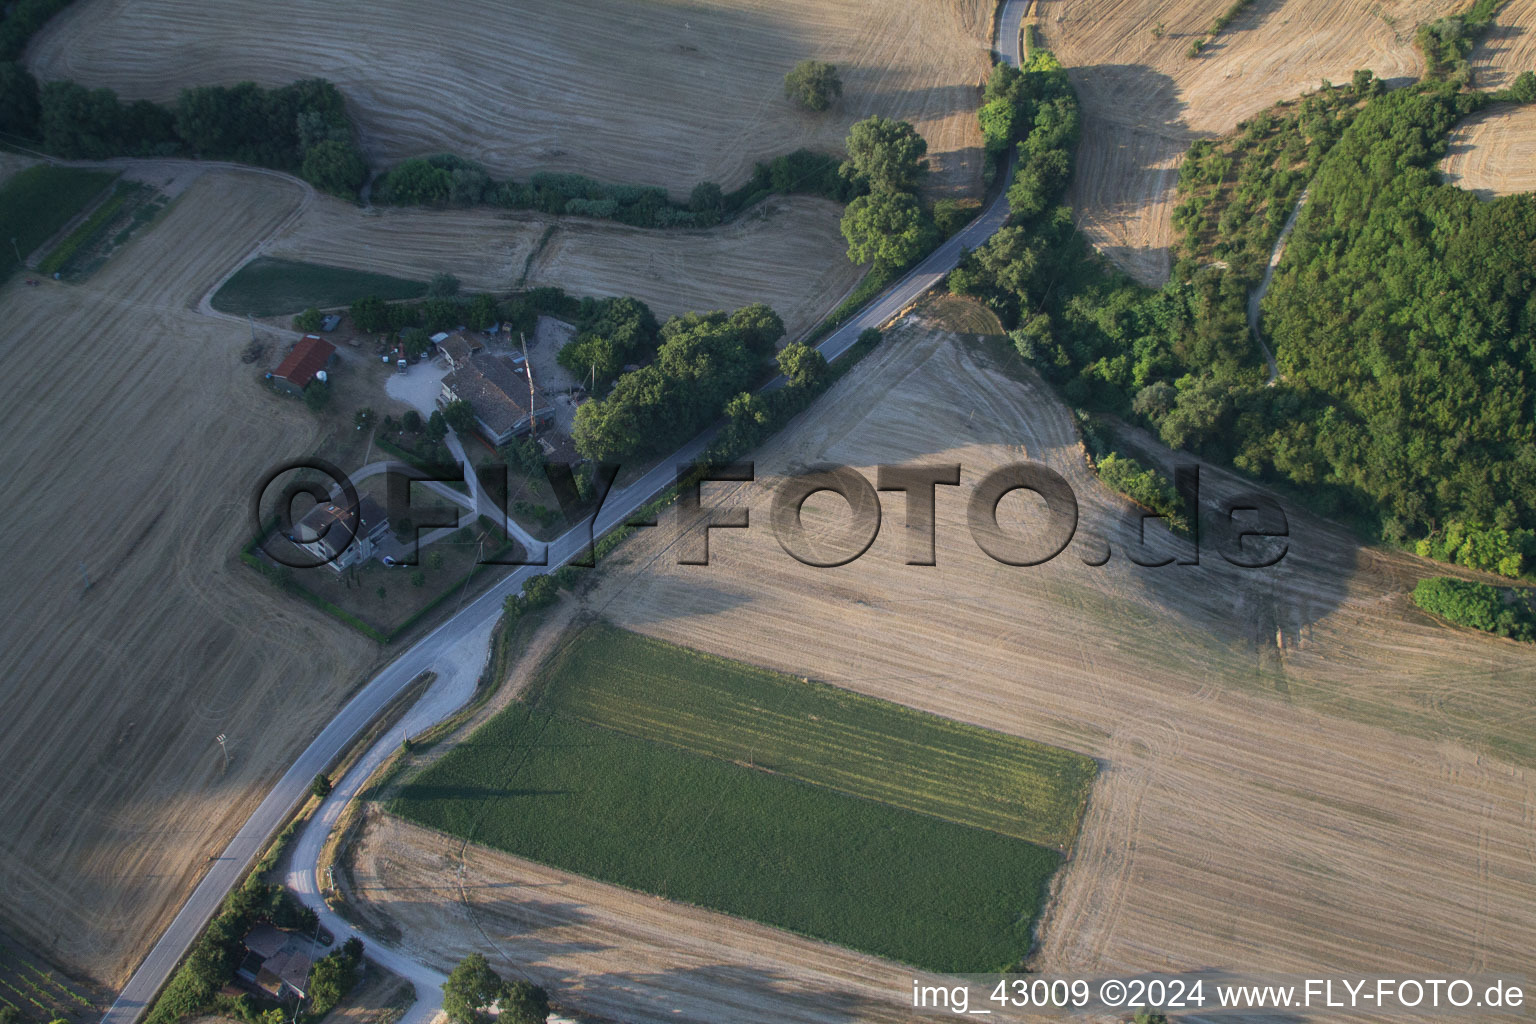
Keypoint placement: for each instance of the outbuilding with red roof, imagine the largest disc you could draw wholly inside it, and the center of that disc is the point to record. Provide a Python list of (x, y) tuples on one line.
[(302, 363)]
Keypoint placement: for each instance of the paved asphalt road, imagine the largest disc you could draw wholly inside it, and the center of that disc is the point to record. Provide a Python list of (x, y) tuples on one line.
[(457, 651)]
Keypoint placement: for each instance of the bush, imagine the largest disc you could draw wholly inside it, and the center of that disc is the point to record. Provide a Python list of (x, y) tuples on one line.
[(1146, 487), (813, 84), (308, 321)]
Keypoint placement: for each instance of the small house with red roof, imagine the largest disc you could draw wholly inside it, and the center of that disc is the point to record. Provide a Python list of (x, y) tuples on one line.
[(303, 364)]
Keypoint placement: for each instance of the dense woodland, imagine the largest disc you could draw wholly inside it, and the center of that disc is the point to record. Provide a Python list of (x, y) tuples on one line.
[(1403, 314)]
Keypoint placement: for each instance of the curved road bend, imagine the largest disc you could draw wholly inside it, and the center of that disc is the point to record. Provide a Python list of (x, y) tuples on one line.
[(457, 651)]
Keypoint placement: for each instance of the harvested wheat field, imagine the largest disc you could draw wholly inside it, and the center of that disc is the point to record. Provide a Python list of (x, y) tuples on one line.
[(1509, 47), (139, 439), (1144, 101), (1351, 782), (787, 252), (1493, 153), (652, 93)]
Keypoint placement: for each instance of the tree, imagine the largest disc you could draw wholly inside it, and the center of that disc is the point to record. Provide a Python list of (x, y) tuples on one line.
[(460, 415), (525, 455), (888, 228), (410, 421), (335, 167), (437, 426), (19, 106), (813, 84), (369, 314), (805, 366), (333, 976), (706, 197), (523, 1002), (886, 155), (308, 321), (320, 785), (443, 286), (415, 341), (317, 394), (473, 986), (418, 578), (749, 416), (1524, 88)]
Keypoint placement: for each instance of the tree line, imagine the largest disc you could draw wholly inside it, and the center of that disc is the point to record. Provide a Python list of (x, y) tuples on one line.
[(447, 180), (1504, 612), (302, 128), (704, 360)]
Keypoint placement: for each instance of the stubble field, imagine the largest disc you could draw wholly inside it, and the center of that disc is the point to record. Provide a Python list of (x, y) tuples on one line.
[(788, 253), (136, 437), (1349, 782), (1493, 153), (1144, 101), (652, 93)]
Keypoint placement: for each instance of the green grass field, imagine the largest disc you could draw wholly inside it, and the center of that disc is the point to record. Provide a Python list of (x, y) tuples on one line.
[(39, 201), (816, 830), (273, 287)]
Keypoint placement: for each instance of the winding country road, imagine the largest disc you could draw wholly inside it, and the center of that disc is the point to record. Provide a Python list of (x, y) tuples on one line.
[(457, 652)]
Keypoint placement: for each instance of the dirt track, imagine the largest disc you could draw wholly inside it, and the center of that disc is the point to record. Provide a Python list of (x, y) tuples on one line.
[(1299, 769), (652, 93), (138, 434), (1493, 153), (1144, 101), (788, 253)]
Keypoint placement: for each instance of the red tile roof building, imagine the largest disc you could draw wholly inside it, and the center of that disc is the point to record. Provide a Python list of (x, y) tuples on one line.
[(303, 361)]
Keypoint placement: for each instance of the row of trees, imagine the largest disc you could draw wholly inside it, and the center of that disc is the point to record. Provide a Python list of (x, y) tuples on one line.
[(1032, 110), (1503, 612), (473, 988), (704, 360), (302, 128), (448, 180)]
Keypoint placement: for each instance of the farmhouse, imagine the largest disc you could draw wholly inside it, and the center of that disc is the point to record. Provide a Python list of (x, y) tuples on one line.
[(456, 348), (303, 362), (276, 962), (343, 536), (499, 394)]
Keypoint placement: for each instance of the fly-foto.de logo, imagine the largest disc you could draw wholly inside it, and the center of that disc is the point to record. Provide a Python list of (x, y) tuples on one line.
[(1249, 531)]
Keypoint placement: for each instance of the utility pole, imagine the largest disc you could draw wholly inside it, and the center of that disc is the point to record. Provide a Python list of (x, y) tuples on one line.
[(220, 740), (85, 577), (533, 420), (19, 260)]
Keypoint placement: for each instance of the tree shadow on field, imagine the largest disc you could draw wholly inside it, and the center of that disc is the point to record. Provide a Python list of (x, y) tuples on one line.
[(472, 794), (1500, 38), (736, 994), (688, 593), (1248, 20), (1133, 139)]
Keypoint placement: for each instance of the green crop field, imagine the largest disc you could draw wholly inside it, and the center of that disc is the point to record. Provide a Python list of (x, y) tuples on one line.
[(816, 828), (819, 733), (272, 287), (39, 201)]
